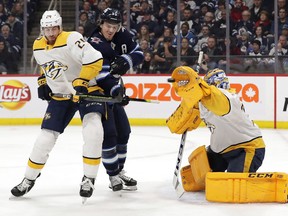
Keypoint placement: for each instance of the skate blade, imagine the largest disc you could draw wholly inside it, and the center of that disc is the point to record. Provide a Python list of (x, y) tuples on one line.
[(117, 193), (84, 200), (129, 188)]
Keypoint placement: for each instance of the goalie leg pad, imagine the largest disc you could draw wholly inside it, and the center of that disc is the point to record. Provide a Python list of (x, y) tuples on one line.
[(246, 187), (199, 164), (188, 181), (183, 119)]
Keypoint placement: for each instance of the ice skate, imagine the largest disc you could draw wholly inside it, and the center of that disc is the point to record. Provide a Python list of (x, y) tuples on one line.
[(130, 184), (86, 188), (24, 187), (115, 183)]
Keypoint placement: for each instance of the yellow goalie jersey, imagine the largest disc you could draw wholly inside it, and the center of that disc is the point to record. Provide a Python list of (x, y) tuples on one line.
[(69, 58), (233, 128)]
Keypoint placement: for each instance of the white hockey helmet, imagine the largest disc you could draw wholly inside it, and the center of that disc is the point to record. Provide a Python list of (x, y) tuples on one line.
[(51, 18)]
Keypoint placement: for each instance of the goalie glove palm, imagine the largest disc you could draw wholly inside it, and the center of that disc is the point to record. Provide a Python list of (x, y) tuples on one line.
[(121, 65)]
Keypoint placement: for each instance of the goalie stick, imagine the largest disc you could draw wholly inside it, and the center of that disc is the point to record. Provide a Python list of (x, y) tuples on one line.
[(176, 182)]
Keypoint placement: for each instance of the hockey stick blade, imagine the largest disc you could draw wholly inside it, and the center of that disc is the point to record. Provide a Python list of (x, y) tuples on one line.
[(176, 183)]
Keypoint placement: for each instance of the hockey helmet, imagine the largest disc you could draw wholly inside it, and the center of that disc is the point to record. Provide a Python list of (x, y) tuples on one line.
[(51, 18), (218, 78), (111, 15)]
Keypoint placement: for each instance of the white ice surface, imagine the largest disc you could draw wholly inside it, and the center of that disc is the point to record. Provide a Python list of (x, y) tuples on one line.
[(152, 154)]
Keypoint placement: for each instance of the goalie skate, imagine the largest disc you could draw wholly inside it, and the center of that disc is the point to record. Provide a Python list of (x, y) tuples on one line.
[(129, 183), (86, 188)]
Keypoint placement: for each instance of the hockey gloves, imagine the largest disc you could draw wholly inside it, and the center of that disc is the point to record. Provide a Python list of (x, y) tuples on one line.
[(44, 92), (121, 65), (81, 87)]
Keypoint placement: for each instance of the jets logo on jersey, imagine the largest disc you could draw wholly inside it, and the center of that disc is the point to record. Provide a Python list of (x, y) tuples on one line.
[(53, 69), (96, 40)]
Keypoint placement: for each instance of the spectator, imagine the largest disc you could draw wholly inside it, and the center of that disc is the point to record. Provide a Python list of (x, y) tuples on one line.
[(164, 56), (256, 64), (244, 25), (211, 53), (244, 43), (257, 7), (147, 66), (220, 8), (7, 65), (282, 20), (170, 22), (145, 34), (3, 13), (81, 30), (202, 38), (12, 43), (18, 10), (187, 53), (264, 41), (144, 44), (265, 22), (91, 14), (152, 25), (85, 22), (236, 11), (284, 30), (281, 49), (219, 27), (185, 33), (159, 42), (16, 26), (187, 18)]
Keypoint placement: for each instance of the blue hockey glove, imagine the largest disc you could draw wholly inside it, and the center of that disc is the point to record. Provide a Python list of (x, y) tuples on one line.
[(121, 65)]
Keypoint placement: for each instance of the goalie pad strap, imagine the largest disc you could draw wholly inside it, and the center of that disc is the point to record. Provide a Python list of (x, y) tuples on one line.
[(246, 187)]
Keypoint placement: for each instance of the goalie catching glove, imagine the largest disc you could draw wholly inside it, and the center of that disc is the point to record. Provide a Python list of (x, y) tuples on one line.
[(121, 65), (191, 88), (44, 92)]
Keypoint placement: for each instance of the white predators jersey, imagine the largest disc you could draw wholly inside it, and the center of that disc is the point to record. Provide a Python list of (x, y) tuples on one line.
[(231, 129), (62, 62)]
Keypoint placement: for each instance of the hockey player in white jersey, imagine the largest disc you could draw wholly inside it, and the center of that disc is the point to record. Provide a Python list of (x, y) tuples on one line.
[(67, 63), (236, 143)]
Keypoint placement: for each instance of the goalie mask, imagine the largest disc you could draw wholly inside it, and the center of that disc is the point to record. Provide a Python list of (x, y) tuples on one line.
[(218, 78)]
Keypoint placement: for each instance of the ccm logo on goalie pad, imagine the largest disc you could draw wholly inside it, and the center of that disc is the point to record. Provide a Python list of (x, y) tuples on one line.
[(152, 91)]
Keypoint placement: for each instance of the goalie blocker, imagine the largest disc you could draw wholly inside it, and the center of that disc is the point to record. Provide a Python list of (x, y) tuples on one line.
[(232, 187)]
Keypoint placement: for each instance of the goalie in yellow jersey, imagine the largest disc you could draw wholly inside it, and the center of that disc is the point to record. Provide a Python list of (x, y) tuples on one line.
[(236, 143)]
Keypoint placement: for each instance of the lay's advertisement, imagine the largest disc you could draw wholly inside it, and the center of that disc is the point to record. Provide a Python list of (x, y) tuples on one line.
[(264, 97)]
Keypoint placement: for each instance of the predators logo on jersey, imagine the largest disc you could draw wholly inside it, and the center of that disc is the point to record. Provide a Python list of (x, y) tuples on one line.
[(53, 69)]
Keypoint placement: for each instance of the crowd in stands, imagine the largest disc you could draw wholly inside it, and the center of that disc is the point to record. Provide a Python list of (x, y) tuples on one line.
[(202, 28), (153, 23), (11, 32)]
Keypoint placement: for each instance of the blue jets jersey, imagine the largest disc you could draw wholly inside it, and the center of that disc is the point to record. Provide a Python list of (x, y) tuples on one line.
[(122, 43)]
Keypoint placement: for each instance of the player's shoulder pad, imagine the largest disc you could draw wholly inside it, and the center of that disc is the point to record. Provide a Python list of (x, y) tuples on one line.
[(39, 43)]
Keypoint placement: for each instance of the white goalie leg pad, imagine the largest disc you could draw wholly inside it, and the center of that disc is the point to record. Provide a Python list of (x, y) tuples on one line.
[(40, 153), (93, 138)]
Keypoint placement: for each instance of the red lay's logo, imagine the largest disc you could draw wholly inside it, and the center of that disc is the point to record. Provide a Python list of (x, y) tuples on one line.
[(14, 94)]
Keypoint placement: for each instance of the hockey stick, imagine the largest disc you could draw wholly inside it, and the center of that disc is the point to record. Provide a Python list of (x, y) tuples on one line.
[(176, 183), (103, 98)]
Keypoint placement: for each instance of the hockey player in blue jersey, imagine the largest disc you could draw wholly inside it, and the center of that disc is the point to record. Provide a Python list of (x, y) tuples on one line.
[(120, 54)]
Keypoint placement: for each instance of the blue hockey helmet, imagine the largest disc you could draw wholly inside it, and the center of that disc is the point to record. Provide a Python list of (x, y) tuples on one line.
[(218, 78)]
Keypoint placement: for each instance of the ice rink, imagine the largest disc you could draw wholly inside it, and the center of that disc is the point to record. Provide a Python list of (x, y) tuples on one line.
[(152, 154)]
